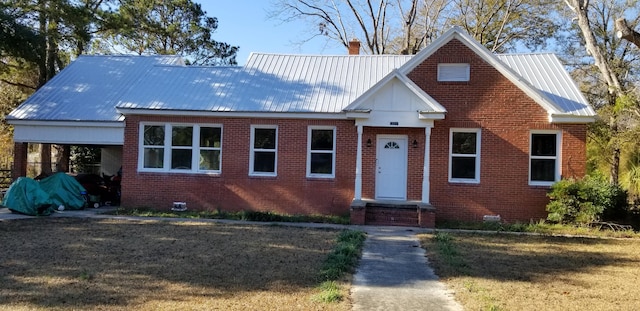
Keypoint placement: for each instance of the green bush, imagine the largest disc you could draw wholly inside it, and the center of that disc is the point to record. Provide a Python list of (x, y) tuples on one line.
[(582, 201)]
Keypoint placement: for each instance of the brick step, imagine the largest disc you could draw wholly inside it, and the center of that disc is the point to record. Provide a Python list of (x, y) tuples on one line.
[(391, 215)]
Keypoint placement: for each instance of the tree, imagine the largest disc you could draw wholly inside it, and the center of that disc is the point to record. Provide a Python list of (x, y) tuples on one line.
[(40, 37), (406, 26), (385, 26), (169, 27), (503, 25), (612, 90)]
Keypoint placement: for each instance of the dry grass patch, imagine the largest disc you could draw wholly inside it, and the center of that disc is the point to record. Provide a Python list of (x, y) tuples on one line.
[(509, 272), (80, 264)]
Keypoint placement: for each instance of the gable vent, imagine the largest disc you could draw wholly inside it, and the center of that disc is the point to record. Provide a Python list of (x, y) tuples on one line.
[(453, 72)]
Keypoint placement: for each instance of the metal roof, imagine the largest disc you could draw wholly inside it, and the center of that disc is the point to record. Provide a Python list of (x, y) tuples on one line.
[(92, 87), (545, 73), (88, 88), (267, 83), (317, 83)]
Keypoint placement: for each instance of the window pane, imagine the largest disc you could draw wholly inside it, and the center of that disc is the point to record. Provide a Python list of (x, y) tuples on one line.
[(153, 135), (464, 143), (210, 160), (210, 137), (182, 136), (181, 159), (321, 139), (321, 163), (264, 162), (153, 157), (543, 169), (543, 144), (463, 167), (264, 139)]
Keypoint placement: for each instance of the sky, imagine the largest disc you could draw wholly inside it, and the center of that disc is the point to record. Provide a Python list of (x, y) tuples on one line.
[(244, 23)]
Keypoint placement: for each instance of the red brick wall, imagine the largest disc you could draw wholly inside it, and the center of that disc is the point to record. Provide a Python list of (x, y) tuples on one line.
[(506, 115), (488, 101), (290, 192)]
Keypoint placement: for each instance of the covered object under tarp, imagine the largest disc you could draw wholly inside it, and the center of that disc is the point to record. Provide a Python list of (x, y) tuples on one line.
[(25, 196), (64, 190)]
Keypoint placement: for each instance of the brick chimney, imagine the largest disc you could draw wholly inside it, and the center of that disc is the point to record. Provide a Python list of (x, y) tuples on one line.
[(354, 47)]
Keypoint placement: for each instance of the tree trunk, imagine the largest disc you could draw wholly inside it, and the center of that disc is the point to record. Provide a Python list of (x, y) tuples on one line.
[(581, 8), (62, 160), (45, 159)]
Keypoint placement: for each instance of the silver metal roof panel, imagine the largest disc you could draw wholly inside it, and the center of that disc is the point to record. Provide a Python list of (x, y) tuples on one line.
[(88, 88)]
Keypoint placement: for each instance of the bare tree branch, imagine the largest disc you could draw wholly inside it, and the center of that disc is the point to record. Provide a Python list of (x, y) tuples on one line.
[(625, 32), (18, 84)]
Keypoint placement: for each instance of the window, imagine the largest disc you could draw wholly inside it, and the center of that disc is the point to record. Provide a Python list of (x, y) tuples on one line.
[(543, 165), (321, 153), (464, 155), (264, 142), (188, 148), (453, 72)]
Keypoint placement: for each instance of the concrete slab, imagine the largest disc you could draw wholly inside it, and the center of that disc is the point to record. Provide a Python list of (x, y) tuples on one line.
[(394, 274)]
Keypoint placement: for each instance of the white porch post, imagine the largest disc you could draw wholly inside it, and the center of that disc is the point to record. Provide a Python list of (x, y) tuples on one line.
[(358, 186), (425, 168)]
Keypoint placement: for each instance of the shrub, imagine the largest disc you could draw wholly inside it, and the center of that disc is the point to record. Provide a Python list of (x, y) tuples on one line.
[(581, 201)]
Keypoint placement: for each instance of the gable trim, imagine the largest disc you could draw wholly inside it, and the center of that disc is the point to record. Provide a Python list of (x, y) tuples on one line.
[(429, 101), (458, 34)]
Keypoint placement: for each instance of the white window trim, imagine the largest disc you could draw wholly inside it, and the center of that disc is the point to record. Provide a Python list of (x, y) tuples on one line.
[(478, 132), (462, 66), (253, 150), (557, 158), (195, 147), (333, 152)]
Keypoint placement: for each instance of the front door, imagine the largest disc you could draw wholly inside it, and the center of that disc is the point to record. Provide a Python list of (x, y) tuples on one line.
[(391, 167)]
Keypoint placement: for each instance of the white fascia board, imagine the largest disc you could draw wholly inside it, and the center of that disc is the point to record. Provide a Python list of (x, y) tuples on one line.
[(563, 118), (235, 114), (358, 114), (430, 115), (71, 134)]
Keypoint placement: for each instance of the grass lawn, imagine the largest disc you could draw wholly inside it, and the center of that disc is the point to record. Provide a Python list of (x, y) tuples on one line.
[(509, 272), (88, 264)]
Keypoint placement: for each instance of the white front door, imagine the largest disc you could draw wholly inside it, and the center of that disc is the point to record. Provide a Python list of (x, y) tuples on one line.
[(391, 167)]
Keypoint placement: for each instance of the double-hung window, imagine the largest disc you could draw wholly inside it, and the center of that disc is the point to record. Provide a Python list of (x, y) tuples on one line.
[(544, 168), (464, 155), (180, 147), (264, 150), (321, 152)]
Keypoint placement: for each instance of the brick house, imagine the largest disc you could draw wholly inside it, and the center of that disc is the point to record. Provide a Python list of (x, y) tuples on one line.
[(453, 132)]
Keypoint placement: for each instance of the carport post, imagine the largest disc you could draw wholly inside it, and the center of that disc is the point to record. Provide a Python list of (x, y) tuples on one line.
[(19, 160)]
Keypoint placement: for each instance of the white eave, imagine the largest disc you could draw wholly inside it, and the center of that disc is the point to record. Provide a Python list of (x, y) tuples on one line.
[(68, 132)]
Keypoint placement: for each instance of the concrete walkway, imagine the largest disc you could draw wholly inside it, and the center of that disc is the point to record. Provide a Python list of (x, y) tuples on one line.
[(393, 273)]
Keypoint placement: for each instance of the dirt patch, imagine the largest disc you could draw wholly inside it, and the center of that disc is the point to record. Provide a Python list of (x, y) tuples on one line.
[(81, 264)]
